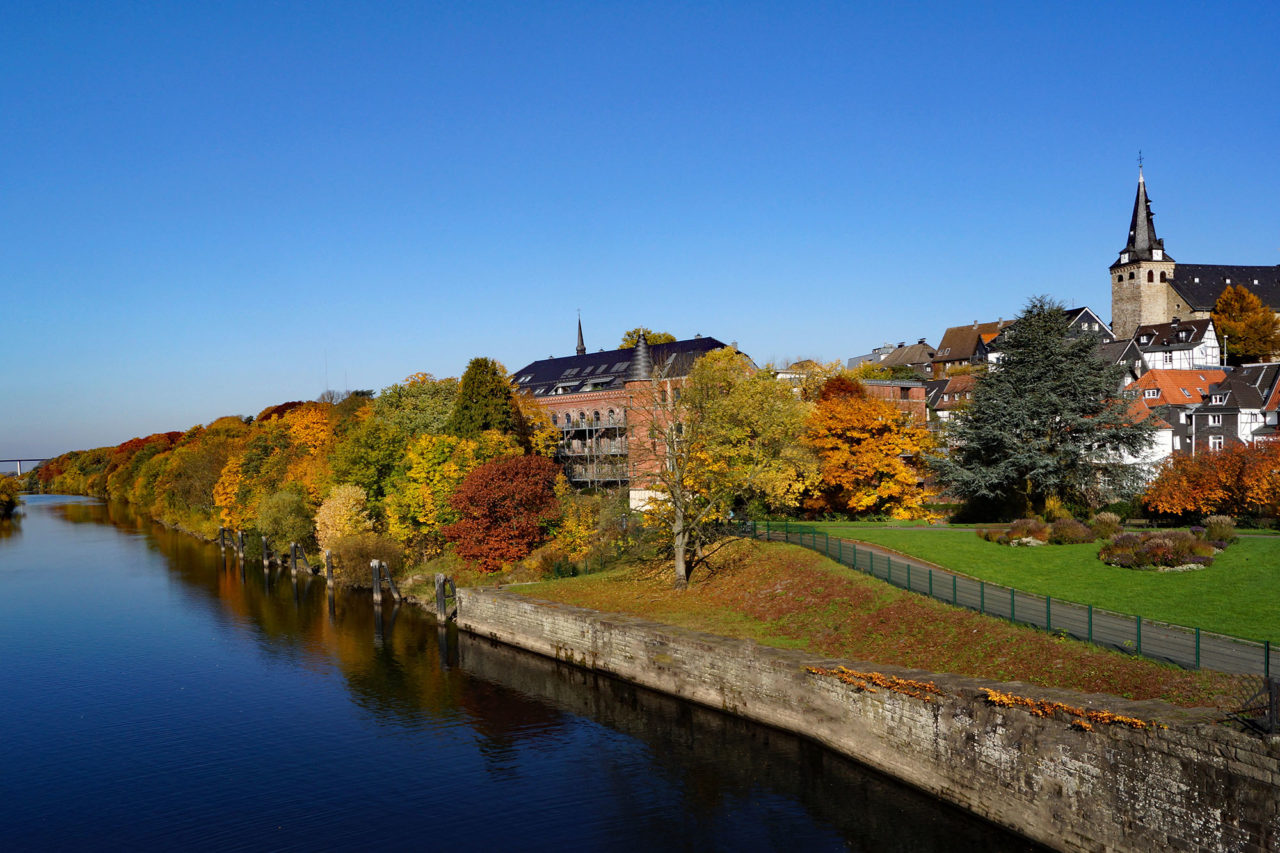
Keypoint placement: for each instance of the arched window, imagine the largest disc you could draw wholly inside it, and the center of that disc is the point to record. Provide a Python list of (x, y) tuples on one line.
[(555, 421), (609, 417), (595, 418), (1162, 276), (568, 419), (1151, 276), (1119, 277), (582, 418)]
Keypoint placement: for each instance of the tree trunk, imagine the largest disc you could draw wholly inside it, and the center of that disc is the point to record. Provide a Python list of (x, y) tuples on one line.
[(679, 542)]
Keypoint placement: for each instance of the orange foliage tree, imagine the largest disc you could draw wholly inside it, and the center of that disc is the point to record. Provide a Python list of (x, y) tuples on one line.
[(869, 453), (1239, 480)]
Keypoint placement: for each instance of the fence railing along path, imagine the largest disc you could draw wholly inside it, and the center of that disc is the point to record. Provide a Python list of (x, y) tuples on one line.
[(1190, 648)]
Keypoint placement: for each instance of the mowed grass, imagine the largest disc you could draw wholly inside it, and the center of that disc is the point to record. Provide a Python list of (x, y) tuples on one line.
[(1237, 595), (790, 597)]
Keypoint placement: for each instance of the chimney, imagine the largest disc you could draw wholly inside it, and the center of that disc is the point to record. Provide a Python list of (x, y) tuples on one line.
[(975, 324), (920, 341), (901, 344), (733, 345)]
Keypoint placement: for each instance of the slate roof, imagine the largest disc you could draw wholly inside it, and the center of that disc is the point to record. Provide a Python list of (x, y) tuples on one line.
[(1201, 284), (607, 371), (1174, 335), (1142, 229), (1249, 387), (1116, 352)]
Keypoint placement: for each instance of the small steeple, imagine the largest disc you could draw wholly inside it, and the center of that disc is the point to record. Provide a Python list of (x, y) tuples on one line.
[(641, 364), (1143, 244), (582, 347)]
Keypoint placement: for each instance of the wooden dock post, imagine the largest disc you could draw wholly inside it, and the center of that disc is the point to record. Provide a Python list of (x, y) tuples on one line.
[(240, 544), (377, 582), (386, 573), (328, 567), (293, 559), (266, 553)]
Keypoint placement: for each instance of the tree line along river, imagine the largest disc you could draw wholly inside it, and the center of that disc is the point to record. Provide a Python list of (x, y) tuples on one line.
[(157, 696)]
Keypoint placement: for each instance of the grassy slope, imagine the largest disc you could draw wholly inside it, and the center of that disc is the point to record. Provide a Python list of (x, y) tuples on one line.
[(790, 597), (1236, 595)]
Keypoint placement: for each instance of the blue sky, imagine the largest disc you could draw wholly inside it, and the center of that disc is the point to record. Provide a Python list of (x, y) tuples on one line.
[(209, 208)]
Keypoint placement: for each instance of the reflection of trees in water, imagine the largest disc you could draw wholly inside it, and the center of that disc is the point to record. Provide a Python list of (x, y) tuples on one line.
[(708, 766), (11, 526)]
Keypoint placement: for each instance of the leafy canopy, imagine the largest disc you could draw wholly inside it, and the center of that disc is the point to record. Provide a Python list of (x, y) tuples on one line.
[(631, 338), (1251, 329), (1046, 422)]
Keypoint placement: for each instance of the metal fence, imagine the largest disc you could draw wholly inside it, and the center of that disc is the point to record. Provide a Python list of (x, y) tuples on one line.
[(1190, 648)]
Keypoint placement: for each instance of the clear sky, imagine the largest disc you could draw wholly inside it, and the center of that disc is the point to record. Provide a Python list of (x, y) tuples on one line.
[(207, 208)]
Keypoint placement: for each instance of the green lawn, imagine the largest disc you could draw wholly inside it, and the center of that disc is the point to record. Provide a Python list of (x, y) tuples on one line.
[(1239, 594)]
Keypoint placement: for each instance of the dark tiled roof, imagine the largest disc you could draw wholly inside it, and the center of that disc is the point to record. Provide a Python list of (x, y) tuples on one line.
[(1142, 228), (1115, 352), (920, 353), (1186, 334), (933, 391), (1247, 387), (604, 371), (1201, 284)]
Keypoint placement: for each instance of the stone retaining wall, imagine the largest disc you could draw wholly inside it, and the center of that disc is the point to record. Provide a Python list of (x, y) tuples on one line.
[(1191, 786)]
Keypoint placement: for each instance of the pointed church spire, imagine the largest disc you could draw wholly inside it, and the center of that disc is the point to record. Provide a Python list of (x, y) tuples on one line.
[(582, 347), (1143, 244), (641, 364)]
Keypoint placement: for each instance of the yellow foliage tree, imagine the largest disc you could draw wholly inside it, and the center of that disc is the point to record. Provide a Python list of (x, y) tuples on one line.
[(579, 515), (870, 453), (343, 513), (419, 507)]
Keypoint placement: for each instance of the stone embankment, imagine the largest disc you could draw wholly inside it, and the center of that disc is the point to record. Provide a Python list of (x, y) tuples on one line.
[(1134, 776)]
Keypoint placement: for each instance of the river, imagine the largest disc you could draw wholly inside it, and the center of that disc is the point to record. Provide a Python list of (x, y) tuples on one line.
[(154, 696)]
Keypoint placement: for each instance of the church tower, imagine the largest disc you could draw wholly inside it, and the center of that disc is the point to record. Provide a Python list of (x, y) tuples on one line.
[(1141, 276)]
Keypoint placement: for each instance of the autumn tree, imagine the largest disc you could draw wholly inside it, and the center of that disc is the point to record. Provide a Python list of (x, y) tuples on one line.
[(343, 513), (504, 508), (1249, 328), (420, 404), (631, 338), (1044, 423), (1238, 480), (725, 434), (871, 453), (484, 401), (284, 517), (9, 500)]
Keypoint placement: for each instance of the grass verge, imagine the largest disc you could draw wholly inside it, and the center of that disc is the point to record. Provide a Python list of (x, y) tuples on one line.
[(1233, 596), (790, 597)]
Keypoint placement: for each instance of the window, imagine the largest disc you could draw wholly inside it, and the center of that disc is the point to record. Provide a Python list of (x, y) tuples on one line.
[(1215, 442), (1168, 359), (662, 395), (595, 418), (1217, 399), (1119, 278), (1151, 276), (554, 420), (947, 351), (1144, 340), (1215, 420), (1151, 393), (1163, 276), (1130, 276), (609, 417), (1186, 393)]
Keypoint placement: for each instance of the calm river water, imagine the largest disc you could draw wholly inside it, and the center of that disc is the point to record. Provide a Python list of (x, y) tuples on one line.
[(153, 697)]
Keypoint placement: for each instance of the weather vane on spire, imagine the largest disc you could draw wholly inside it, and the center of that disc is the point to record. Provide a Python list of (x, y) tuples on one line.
[(1139, 159)]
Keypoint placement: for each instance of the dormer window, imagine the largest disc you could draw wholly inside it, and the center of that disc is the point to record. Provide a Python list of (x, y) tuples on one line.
[(1151, 393), (1144, 340), (1217, 399)]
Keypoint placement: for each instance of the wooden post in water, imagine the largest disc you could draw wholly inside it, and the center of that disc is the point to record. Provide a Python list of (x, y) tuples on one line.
[(266, 553), (328, 567), (386, 573), (293, 559), (377, 582), (440, 599), (222, 542)]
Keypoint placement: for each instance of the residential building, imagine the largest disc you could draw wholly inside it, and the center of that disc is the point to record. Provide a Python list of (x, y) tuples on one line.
[(1242, 408), (966, 345), (1172, 397), (1179, 344)]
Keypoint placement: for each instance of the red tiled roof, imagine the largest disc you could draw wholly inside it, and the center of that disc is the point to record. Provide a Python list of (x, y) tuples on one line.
[(1176, 387)]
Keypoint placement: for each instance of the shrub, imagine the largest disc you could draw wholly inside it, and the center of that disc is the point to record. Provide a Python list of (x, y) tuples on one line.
[(505, 508), (1156, 550), (1124, 510), (1221, 528), (1029, 528), (1105, 525), (1055, 510), (1068, 531), (284, 517), (353, 553)]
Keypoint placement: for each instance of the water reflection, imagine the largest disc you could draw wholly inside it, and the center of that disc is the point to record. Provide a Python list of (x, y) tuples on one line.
[(681, 775)]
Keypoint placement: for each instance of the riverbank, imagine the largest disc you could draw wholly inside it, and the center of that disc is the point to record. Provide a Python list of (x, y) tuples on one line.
[(1075, 771)]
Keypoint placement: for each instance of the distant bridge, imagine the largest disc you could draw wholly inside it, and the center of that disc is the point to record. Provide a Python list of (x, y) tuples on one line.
[(19, 463)]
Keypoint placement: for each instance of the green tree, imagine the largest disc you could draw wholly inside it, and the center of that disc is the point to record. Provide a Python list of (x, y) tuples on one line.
[(1045, 422), (284, 517), (485, 401), (631, 338), (1249, 328), (726, 434), (420, 404)]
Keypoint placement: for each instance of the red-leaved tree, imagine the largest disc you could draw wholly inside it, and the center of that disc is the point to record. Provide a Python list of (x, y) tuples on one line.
[(505, 506), (1239, 480)]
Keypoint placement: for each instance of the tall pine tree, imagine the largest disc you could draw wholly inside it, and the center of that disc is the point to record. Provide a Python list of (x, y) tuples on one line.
[(1046, 422)]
